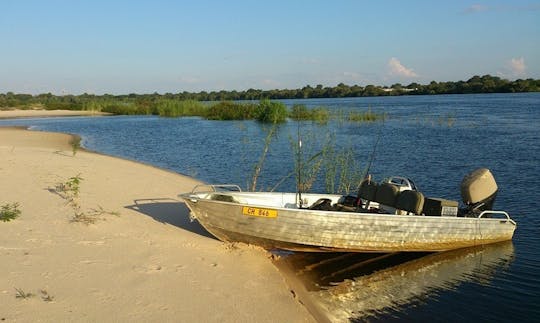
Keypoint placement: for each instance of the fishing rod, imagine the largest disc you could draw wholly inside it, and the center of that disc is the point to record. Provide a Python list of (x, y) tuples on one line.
[(299, 165), (371, 159)]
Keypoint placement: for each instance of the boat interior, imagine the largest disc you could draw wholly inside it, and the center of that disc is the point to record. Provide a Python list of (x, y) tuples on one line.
[(395, 195)]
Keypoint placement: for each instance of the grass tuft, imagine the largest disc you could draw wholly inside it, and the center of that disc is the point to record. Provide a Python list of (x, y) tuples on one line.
[(9, 211), (19, 293)]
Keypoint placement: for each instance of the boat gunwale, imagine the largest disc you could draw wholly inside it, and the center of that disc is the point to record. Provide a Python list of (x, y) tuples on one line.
[(190, 196)]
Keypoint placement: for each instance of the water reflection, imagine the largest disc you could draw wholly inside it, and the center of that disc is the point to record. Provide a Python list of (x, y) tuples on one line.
[(341, 287)]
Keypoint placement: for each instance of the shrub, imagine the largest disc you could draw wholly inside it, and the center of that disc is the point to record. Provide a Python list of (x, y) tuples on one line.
[(121, 108), (299, 112), (228, 110), (62, 105), (180, 108), (271, 112)]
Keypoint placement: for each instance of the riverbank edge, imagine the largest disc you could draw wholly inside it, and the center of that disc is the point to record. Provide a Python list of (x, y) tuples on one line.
[(72, 137), (38, 113)]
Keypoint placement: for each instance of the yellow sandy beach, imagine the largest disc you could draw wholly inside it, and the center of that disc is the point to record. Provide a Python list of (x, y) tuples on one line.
[(16, 113), (142, 260)]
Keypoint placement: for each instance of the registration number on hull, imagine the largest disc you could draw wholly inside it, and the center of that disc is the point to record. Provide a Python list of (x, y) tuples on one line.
[(257, 211)]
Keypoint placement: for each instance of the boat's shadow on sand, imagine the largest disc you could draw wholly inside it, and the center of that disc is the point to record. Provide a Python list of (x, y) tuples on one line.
[(171, 211)]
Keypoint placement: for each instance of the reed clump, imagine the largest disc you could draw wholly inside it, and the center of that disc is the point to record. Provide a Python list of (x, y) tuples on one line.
[(320, 115), (127, 109), (366, 116), (228, 110), (271, 112), (300, 112), (180, 108), (264, 111), (322, 157)]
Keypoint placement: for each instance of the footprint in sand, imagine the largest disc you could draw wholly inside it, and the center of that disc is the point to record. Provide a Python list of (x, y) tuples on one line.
[(92, 243), (150, 269), (179, 267)]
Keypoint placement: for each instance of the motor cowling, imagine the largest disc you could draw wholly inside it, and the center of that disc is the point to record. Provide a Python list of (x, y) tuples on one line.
[(478, 190)]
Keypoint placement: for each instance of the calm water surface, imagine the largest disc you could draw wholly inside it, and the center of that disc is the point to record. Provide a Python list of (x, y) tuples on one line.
[(434, 140)]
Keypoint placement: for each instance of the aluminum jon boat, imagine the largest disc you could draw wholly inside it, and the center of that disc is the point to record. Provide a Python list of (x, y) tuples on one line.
[(388, 217)]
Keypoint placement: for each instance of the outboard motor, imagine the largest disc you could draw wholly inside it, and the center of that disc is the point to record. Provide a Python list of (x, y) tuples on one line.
[(478, 190)]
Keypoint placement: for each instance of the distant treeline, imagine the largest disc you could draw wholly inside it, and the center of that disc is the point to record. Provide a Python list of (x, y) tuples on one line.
[(146, 103)]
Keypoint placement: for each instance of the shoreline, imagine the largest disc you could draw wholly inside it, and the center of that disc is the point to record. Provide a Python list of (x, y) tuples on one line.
[(25, 114), (140, 258)]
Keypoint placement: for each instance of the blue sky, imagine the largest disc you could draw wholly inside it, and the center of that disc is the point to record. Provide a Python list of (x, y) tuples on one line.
[(120, 47)]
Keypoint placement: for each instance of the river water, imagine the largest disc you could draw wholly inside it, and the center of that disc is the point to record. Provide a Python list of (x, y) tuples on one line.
[(435, 140)]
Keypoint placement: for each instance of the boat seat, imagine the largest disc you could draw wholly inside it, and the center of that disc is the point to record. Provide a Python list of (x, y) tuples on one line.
[(410, 201), (323, 204), (387, 194), (367, 191)]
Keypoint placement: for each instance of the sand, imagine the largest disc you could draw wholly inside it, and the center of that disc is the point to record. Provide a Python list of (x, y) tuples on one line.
[(141, 260), (16, 113)]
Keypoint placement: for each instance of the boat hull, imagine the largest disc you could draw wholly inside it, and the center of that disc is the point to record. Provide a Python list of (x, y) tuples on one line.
[(329, 231)]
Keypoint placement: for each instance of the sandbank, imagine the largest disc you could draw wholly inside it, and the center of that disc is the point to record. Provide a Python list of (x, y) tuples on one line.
[(142, 260), (16, 113)]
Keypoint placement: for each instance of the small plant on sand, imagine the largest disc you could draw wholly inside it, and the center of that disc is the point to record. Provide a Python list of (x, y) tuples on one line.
[(9, 211), (75, 144), (19, 293), (45, 296), (91, 216), (69, 190), (81, 217)]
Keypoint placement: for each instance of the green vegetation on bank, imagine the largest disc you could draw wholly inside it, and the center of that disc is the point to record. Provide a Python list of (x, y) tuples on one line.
[(145, 103), (222, 106), (264, 111)]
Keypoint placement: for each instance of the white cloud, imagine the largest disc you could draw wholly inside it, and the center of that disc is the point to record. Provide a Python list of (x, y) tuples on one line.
[(188, 80), (352, 75), (397, 69), (310, 61), (517, 66), (475, 8), (271, 83), (478, 8), (514, 68)]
